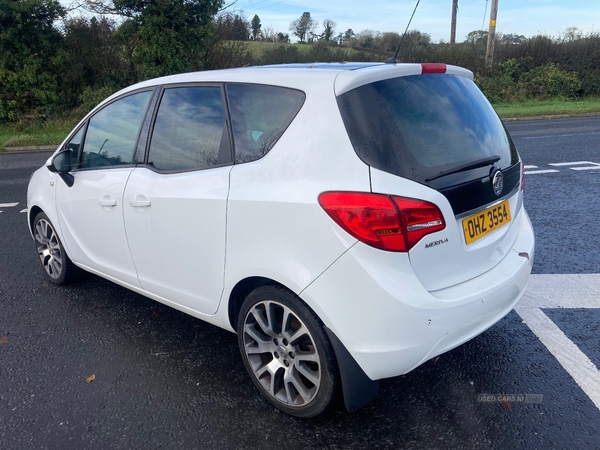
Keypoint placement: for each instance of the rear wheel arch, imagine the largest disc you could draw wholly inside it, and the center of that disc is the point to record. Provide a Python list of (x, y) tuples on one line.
[(357, 388), (241, 291)]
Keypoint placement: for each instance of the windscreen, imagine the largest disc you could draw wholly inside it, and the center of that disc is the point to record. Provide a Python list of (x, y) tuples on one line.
[(422, 126)]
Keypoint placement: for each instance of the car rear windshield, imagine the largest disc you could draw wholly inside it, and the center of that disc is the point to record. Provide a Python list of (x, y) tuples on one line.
[(421, 127)]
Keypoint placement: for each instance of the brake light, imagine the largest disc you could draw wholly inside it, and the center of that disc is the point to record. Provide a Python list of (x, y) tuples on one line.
[(433, 68), (382, 221)]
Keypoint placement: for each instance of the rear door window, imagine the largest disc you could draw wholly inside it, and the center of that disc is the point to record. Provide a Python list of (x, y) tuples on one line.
[(190, 132), (422, 126), (259, 116)]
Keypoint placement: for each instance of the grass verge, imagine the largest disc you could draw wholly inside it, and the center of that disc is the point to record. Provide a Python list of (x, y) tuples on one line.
[(531, 108), (48, 132)]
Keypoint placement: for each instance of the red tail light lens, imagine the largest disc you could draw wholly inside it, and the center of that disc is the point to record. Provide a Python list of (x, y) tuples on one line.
[(433, 68), (382, 221), (421, 218)]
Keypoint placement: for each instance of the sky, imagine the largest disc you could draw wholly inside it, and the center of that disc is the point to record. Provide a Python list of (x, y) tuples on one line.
[(524, 17)]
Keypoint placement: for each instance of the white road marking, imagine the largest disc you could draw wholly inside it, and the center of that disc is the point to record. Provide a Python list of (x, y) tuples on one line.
[(534, 172), (588, 165), (24, 210), (8, 205), (551, 136), (563, 291)]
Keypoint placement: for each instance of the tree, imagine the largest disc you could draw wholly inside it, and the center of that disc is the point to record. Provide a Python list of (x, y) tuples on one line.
[(165, 36), (283, 38), (32, 57), (269, 34), (368, 39), (348, 34), (569, 35), (256, 25), (512, 38), (241, 28), (390, 41), (477, 38), (232, 27), (96, 58), (303, 26), (328, 30)]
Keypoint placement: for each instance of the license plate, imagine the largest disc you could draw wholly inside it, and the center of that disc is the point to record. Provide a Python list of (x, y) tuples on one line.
[(485, 222)]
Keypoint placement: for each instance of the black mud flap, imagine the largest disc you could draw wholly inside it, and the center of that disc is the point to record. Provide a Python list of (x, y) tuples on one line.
[(358, 388)]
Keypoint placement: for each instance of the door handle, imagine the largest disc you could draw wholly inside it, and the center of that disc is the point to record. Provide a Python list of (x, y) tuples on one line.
[(107, 201), (140, 202)]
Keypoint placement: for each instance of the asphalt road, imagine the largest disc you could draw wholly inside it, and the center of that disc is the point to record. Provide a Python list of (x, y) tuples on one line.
[(164, 379), (564, 206)]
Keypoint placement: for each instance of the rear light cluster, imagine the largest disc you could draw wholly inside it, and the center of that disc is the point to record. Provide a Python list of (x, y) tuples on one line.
[(383, 221)]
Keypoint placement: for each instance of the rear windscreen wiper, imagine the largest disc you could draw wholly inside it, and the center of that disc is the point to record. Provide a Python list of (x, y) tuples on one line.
[(487, 161)]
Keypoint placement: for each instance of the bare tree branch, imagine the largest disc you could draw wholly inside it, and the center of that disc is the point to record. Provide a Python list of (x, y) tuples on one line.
[(227, 6)]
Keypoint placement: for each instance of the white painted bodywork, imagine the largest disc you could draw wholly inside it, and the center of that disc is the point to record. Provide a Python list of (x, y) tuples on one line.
[(206, 231), (91, 220), (178, 242), (391, 324)]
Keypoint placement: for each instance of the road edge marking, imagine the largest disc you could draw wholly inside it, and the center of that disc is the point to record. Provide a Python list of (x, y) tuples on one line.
[(573, 360), (567, 291)]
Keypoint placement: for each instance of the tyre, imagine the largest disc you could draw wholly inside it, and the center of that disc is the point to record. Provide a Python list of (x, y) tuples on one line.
[(286, 352), (56, 264)]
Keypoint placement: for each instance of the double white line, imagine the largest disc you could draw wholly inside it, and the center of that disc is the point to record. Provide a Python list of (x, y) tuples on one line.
[(587, 165)]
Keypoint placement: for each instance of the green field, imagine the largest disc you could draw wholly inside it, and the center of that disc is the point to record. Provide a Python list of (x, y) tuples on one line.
[(54, 131)]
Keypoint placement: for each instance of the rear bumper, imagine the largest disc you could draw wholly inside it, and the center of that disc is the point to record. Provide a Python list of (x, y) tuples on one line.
[(390, 324)]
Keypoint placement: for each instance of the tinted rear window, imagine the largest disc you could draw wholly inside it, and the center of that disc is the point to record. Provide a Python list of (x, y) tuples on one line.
[(259, 116), (420, 126), (190, 132)]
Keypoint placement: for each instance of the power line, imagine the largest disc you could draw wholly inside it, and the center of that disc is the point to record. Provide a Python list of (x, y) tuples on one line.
[(484, 14), (253, 4), (272, 4)]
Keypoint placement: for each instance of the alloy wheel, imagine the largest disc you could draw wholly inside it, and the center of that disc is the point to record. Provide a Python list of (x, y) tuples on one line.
[(49, 249), (281, 353)]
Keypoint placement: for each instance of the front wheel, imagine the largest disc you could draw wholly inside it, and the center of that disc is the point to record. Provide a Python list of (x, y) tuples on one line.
[(286, 352), (56, 264)]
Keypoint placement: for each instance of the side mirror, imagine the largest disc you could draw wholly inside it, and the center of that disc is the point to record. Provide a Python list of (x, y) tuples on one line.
[(61, 164)]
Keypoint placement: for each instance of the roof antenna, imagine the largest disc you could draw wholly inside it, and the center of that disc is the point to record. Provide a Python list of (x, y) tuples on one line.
[(394, 59)]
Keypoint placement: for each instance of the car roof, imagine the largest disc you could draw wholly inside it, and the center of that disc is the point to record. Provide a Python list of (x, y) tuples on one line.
[(342, 65), (343, 76)]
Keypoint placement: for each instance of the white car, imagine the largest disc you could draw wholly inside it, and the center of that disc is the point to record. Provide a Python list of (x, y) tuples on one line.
[(348, 221)]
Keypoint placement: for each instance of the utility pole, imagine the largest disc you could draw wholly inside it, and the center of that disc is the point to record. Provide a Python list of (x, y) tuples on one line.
[(453, 25), (489, 54)]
